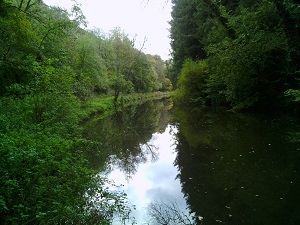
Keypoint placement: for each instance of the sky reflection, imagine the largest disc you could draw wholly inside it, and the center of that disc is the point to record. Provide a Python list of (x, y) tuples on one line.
[(153, 180)]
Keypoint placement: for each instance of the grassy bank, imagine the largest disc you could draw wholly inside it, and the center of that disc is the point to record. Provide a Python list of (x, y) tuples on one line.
[(105, 105)]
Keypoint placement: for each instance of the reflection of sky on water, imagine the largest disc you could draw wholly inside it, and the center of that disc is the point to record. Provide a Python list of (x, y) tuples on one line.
[(153, 180)]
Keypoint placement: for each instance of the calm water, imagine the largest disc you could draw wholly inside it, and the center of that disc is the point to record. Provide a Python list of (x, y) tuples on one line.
[(203, 167)]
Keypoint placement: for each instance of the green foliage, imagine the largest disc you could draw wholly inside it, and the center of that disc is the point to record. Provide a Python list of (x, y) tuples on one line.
[(186, 39), (247, 69), (50, 43), (16, 42), (90, 68), (167, 85), (99, 104), (293, 94), (160, 70), (250, 48), (293, 98), (132, 65), (48, 66), (44, 177), (120, 85), (192, 82), (40, 178)]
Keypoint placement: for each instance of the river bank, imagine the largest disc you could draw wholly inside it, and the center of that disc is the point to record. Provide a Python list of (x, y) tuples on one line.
[(44, 171), (105, 105)]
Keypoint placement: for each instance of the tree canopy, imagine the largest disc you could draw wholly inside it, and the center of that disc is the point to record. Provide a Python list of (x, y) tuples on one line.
[(251, 49)]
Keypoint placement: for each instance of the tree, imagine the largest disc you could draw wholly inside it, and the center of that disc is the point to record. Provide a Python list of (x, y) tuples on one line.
[(185, 39), (251, 49), (247, 71), (192, 83), (89, 64), (169, 214), (17, 42), (290, 16), (133, 70)]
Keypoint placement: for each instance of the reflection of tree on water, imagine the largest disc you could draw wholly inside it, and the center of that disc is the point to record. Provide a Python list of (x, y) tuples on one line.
[(238, 169), (129, 162), (124, 137), (168, 213)]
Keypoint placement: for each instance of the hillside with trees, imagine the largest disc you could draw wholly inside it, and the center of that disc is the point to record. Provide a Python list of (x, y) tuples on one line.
[(49, 67), (244, 55)]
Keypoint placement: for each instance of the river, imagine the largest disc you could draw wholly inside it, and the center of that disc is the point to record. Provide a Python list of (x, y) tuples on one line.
[(181, 166)]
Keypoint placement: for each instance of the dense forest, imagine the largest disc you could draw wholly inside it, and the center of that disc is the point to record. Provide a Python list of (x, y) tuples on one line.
[(241, 54), (50, 65)]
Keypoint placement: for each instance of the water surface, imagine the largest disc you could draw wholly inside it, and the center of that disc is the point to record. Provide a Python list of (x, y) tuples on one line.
[(219, 167)]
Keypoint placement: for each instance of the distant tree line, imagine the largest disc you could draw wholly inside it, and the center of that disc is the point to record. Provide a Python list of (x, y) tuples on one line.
[(241, 54)]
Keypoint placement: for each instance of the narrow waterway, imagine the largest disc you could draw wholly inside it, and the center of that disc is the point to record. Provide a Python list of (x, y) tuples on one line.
[(179, 166)]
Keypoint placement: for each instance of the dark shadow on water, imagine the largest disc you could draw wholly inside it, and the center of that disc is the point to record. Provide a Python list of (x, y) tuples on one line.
[(239, 169)]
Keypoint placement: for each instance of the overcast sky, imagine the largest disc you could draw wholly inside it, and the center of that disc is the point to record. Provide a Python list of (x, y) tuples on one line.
[(144, 18)]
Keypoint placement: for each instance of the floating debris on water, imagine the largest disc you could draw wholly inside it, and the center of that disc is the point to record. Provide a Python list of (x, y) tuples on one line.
[(200, 218)]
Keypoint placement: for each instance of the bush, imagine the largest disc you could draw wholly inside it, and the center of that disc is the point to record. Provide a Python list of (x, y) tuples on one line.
[(192, 83), (44, 178)]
